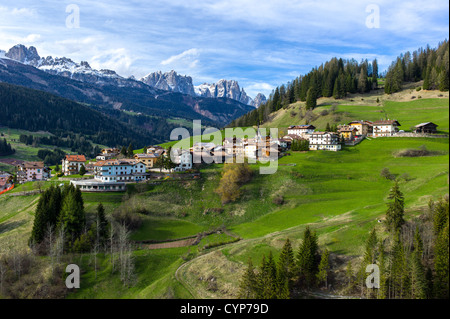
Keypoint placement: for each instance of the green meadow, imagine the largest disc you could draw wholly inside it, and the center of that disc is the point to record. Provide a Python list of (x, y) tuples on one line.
[(341, 195), (408, 113)]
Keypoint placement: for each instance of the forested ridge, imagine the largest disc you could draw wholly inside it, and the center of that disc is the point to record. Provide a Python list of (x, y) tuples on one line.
[(337, 78), (33, 110)]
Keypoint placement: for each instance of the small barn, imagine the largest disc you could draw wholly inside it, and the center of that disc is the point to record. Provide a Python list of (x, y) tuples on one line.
[(428, 127)]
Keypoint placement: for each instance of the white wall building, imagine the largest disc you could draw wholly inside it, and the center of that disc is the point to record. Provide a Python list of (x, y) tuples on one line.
[(324, 141), (301, 130), (184, 160), (385, 128), (123, 170)]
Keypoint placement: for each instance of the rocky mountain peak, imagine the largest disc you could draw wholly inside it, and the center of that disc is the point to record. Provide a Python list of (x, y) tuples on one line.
[(170, 81), (23, 54)]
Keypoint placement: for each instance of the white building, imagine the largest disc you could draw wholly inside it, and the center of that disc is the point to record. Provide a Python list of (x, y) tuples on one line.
[(385, 128), (324, 141), (184, 160), (301, 130), (71, 164), (119, 170)]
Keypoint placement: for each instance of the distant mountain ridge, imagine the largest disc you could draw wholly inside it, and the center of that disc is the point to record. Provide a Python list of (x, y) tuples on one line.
[(172, 81), (110, 91), (169, 81)]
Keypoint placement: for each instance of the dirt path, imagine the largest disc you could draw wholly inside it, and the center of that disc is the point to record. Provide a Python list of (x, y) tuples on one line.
[(172, 244)]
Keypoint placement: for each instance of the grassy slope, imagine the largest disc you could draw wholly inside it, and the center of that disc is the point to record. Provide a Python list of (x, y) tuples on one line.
[(409, 112), (341, 194)]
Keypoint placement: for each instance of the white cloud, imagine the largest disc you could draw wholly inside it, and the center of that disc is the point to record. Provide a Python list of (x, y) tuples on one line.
[(189, 56)]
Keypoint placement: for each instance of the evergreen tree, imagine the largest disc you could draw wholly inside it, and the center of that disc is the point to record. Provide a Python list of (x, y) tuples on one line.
[(349, 275), (398, 271), (308, 257), (382, 291), (267, 281), (418, 276), (375, 74), (102, 222), (441, 266), (311, 99), (440, 215), (82, 170), (130, 152), (72, 216), (286, 262), (249, 283), (324, 268), (396, 209)]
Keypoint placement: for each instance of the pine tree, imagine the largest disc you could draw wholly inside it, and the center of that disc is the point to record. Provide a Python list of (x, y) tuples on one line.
[(443, 81), (396, 210), (350, 276), (398, 271), (324, 268), (311, 99), (441, 266), (130, 152), (286, 262), (249, 283), (102, 222), (307, 258), (40, 220), (267, 281), (418, 276), (82, 170), (374, 74), (382, 291), (72, 216), (440, 215)]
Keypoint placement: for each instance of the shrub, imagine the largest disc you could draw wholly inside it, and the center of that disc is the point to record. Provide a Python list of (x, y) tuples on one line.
[(278, 199), (128, 218), (411, 152), (418, 88), (387, 174), (324, 113)]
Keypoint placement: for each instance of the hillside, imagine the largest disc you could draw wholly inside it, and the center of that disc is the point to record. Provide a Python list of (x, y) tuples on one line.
[(341, 195), (409, 107), (33, 110)]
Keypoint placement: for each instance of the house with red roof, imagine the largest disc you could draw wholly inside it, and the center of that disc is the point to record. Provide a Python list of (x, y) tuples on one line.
[(71, 164)]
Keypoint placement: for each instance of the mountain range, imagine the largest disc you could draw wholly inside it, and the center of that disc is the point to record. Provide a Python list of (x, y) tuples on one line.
[(119, 97), (169, 81)]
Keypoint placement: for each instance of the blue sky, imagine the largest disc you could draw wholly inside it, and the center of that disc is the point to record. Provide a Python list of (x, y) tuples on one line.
[(261, 44)]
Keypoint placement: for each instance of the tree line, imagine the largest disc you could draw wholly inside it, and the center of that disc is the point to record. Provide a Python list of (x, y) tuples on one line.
[(304, 270), (5, 148), (412, 256), (336, 78), (61, 228), (33, 110), (75, 142), (429, 65)]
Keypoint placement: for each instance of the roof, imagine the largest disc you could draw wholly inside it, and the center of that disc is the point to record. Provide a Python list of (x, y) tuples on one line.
[(360, 122), (346, 128), (32, 165), (75, 158), (386, 122), (148, 155), (117, 162), (323, 133), (304, 127), (292, 136), (427, 123)]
